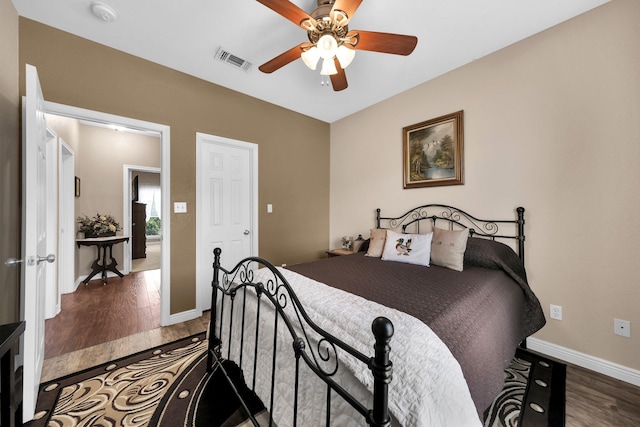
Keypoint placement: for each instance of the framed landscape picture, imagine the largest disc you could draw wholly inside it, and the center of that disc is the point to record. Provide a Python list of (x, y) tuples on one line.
[(433, 152)]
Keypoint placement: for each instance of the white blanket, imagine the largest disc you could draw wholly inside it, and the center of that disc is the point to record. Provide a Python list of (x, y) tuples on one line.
[(427, 389)]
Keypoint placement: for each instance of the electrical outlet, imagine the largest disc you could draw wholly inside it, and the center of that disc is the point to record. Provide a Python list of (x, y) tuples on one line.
[(622, 328), (555, 311)]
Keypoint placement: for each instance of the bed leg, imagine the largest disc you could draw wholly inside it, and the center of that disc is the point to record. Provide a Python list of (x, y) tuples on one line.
[(382, 370), (521, 237), (214, 341)]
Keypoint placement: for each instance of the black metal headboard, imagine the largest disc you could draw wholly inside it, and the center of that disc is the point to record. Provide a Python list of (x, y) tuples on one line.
[(457, 219)]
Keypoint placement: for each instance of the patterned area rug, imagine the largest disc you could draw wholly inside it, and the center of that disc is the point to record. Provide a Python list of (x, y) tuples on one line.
[(167, 386), (533, 394), (124, 392)]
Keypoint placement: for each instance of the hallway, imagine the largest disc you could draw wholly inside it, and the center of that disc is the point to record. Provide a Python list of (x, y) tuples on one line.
[(98, 313)]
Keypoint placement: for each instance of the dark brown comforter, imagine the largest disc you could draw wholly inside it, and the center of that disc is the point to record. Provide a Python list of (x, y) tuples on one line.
[(481, 313)]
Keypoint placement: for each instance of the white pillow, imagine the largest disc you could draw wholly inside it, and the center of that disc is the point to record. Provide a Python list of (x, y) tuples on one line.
[(407, 248)]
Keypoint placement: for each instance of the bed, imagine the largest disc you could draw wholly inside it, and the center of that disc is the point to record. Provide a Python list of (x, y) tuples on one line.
[(443, 333)]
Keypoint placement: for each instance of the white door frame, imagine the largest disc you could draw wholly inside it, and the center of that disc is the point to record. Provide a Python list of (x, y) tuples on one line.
[(52, 292), (96, 116), (204, 273), (66, 222), (127, 171)]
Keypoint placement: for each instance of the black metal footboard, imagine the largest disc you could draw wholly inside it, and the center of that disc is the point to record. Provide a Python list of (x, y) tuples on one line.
[(238, 301)]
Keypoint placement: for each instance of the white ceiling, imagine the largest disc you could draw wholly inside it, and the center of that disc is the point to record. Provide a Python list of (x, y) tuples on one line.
[(185, 35)]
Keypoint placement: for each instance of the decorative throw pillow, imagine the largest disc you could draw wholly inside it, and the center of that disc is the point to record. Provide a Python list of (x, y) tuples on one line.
[(407, 248), (448, 246), (376, 243)]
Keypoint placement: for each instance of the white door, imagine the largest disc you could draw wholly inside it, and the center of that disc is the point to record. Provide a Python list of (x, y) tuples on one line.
[(34, 240), (226, 194)]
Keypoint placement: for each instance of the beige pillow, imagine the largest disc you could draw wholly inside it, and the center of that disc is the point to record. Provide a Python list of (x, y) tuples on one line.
[(447, 248), (376, 244)]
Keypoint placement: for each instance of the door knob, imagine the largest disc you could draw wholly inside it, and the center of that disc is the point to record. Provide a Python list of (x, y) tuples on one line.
[(246, 232), (49, 258), (12, 262)]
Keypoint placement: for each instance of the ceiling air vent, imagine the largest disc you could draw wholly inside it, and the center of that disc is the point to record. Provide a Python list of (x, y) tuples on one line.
[(224, 55)]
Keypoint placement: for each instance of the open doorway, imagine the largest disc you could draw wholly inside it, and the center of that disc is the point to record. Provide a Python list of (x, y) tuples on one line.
[(146, 217), (122, 124)]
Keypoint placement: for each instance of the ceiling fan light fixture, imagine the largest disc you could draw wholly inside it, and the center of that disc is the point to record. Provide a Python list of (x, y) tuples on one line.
[(310, 57), (327, 28), (328, 67), (345, 56), (327, 46)]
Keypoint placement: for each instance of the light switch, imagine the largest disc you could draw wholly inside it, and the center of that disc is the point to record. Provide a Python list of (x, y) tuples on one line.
[(269, 208), (179, 207)]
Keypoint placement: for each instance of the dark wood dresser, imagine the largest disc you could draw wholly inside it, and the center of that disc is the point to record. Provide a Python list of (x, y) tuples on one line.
[(138, 230)]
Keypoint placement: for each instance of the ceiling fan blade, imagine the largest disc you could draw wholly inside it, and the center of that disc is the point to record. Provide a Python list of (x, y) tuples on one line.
[(288, 10), (396, 44), (347, 6), (281, 60), (338, 81)]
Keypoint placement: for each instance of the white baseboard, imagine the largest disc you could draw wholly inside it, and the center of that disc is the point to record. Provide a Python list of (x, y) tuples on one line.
[(76, 284), (593, 363), (183, 316)]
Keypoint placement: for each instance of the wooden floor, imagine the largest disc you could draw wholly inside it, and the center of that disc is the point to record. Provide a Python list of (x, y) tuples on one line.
[(595, 400), (111, 323), (99, 323), (97, 313)]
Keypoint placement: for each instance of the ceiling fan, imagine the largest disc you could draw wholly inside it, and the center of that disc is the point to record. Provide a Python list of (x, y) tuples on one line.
[(331, 40)]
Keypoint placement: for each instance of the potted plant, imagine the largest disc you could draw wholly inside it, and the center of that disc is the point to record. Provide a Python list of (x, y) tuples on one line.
[(98, 226)]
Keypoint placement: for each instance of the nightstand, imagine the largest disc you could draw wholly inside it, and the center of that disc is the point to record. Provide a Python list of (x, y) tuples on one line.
[(339, 252)]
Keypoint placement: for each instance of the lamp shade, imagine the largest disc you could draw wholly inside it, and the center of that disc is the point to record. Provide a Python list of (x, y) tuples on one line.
[(310, 57), (345, 56), (327, 46), (328, 67)]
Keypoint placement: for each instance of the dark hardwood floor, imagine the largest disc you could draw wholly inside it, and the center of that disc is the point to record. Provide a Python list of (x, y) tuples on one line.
[(97, 313), (101, 323)]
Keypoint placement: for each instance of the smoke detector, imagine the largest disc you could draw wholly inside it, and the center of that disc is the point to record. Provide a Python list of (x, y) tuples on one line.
[(103, 11)]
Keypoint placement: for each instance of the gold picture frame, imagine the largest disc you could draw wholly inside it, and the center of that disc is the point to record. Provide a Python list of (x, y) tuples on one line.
[(433, 152)]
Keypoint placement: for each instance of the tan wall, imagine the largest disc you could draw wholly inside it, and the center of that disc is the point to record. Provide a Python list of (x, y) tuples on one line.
[(99, 165), (551, 124), (10, 146), (293, 149), (67, 129), (150, 179), (99, 157)]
